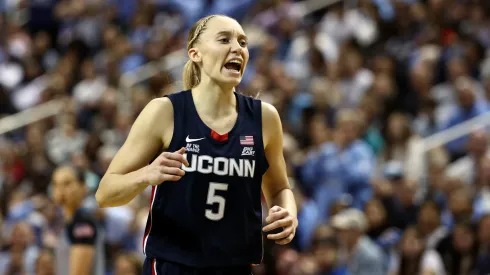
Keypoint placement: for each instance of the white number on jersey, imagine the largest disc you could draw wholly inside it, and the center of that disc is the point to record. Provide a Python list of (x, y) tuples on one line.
[(214, 198)]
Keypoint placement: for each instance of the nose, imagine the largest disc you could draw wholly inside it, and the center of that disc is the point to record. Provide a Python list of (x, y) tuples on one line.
[(236, 47)]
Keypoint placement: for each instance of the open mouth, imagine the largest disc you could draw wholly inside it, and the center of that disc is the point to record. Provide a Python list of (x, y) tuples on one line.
[(234, 66)]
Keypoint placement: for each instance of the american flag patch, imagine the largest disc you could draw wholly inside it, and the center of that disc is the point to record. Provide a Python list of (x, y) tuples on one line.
[(246, 140)]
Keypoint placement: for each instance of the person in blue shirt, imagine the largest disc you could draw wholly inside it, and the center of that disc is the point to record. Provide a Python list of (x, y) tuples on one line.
[(468, 107), (342, 166)]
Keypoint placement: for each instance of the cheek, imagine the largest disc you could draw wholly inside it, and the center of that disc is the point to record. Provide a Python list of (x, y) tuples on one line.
[(246, 57), (57, 196)]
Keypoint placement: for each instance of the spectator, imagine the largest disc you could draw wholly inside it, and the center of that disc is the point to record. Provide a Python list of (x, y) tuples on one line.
[(20, 254), (326, 250), (401, 146), (363, 255), (397, 195), (429, 224), (468, 106), (465, 167), (414, 258), (328, 177), (459, 250), (381, 229), (64, 140)]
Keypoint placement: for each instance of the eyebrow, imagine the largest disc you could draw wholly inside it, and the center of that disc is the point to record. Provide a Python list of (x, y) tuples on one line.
[(229, 33)]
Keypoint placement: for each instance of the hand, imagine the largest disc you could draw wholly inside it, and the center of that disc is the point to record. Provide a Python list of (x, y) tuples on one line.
[(280, 218), (166, 167)]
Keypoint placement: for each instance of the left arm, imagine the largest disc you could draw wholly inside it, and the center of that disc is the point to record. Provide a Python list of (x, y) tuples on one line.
[(81, 259), (82, 236), (275, 185)]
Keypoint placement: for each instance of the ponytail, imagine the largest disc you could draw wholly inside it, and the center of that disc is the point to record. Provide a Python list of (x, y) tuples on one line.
[(191, 75)]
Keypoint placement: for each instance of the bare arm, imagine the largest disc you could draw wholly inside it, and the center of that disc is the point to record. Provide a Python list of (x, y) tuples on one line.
[(81, 259), (125, 178), (275, 185)]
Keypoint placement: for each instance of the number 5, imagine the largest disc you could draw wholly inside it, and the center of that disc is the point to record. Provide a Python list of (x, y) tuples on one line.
[(213, 198)]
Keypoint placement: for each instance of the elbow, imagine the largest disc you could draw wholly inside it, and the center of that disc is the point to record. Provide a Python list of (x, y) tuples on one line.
[(101, 197), (101, 200)]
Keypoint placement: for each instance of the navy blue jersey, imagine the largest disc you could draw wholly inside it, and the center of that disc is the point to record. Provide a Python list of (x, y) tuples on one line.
[(212, 216)]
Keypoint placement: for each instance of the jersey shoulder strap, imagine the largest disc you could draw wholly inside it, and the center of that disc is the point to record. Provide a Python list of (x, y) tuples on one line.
[(179, 105), (252, 107), (253, 112)]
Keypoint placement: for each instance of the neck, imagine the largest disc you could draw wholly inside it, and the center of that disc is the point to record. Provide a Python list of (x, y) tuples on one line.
[(351, 246), (213, 100), (68, 212)]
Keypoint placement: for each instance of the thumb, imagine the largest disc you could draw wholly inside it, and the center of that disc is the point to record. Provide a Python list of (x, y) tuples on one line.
[(180, 151)]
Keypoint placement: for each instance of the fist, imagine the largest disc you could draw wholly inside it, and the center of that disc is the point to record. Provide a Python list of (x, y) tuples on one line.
[(166, 167), (281, 218)]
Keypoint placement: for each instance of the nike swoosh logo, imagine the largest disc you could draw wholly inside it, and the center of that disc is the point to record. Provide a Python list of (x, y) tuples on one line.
[(187, 139)]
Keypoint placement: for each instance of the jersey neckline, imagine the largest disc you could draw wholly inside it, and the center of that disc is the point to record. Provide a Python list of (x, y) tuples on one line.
[(210, 133)]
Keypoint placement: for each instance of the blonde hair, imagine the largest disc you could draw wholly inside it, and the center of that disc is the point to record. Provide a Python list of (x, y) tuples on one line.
[(192, 75)]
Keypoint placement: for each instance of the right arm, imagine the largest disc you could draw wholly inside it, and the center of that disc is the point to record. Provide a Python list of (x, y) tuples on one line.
[(129, 173)]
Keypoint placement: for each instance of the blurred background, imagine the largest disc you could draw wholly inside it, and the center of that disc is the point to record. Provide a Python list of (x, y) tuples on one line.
[(384, 105)]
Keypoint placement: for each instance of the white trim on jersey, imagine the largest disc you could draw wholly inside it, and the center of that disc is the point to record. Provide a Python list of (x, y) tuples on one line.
[(154, 267), (147, 234)]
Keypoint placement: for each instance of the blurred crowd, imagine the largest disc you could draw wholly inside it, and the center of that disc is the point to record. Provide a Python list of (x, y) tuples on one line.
[(358, 85)]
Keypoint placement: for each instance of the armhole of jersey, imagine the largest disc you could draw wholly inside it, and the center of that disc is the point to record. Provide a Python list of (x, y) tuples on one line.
[(178, 120), (258, 103)]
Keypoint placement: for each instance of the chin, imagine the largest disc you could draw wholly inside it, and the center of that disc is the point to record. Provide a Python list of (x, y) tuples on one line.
[(229, 82)]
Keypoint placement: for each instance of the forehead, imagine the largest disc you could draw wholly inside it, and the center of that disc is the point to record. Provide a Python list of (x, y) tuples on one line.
[(221, 24), (64, 175)]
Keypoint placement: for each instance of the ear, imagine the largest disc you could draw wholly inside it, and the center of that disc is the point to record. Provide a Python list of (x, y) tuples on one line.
[(194, 55)]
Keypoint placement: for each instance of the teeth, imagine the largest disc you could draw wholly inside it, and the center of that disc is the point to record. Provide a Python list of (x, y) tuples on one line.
[(235, 61)]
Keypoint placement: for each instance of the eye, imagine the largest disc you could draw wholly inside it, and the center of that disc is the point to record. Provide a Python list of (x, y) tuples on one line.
[(243, 43), (224, 40)]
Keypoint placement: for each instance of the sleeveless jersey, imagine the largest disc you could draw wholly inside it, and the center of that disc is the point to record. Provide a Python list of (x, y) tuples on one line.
[(212, 216)]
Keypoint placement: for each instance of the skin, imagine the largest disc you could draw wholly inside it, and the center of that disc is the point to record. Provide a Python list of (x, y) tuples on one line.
[(128, 174), (68, 192)]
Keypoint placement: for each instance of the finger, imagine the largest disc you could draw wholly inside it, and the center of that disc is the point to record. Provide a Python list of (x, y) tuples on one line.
[(181, 151), (173, 171), (280, 223), (177, 157), (171, 163), (275, 208), (281, 235), (286, 240), (168, 177), (276, 216)]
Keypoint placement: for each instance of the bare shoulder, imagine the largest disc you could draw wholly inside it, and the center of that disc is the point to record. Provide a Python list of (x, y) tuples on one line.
[(159, 107), (157, 118), (271, 123)]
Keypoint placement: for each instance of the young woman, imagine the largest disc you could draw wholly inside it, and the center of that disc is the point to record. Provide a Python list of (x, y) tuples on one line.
[(220, 150)]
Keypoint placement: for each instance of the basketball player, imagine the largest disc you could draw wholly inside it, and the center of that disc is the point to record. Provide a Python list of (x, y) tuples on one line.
[(221, 149)]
